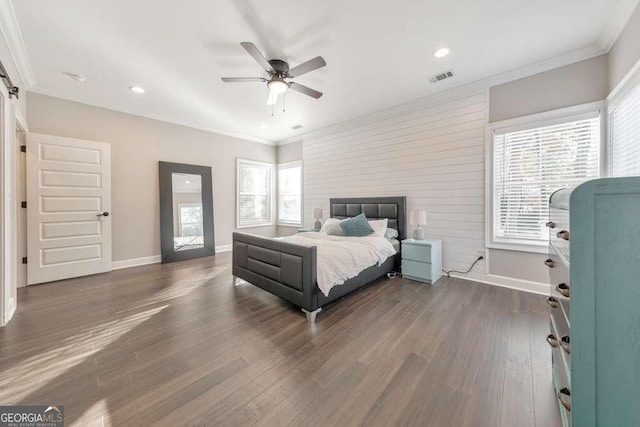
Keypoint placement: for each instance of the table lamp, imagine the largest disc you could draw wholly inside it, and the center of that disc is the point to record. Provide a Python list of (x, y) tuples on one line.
[(317, 217), (418, 219)]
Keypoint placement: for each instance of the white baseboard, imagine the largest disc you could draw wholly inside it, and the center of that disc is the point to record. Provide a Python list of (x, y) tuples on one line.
[(223, 248), (135, 262), (154, 259), (506, 282)]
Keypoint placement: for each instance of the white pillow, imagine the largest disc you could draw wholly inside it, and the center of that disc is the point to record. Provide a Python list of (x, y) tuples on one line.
[(379, 227), (328, 222)]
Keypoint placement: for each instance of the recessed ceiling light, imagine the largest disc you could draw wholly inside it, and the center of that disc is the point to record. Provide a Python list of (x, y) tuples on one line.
[(442, 52), (187, 182), (263, 126), (136, 89), (74, 76)]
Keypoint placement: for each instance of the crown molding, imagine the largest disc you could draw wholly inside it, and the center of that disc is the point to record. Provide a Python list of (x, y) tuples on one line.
[(13, 37), (622, 12), (463, 90)]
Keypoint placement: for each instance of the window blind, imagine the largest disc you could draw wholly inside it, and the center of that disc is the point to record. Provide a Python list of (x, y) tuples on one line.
[(624, 134), (254, 193), (529, 165), (290, 194)]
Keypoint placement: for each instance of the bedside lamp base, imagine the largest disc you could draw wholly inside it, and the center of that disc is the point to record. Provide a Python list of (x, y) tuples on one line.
[(418, 233)]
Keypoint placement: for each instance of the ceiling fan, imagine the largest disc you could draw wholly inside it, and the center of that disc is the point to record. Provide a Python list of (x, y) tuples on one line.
[(279, 72)]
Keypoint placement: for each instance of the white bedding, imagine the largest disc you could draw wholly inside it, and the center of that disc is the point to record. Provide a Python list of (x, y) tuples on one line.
[(341, 258)]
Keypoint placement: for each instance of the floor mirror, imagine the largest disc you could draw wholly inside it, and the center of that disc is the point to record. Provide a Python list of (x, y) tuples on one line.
[(186, 212)]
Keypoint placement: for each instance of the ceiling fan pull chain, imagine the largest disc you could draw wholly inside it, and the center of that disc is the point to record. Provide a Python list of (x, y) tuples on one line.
[(284, 102)]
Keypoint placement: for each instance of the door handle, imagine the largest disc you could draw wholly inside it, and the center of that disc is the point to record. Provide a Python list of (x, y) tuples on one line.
[(564, 234), (564, 396), (103, 214), (563, 289), (565, 343)]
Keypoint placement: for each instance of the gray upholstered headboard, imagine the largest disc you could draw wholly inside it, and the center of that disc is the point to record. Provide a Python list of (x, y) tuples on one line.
[(392, 208)]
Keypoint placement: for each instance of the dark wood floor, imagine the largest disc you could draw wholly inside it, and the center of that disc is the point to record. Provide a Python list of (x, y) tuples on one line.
[(178, 344)]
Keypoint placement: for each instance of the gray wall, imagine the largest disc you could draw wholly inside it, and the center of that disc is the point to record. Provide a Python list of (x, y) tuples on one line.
[(290, 152), (137, 144), (574, 84), (625, 51)]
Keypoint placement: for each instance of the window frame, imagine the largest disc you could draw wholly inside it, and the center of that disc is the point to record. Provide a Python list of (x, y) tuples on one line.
[(548, 118), (290, 165), (272, 189), (618, 95)]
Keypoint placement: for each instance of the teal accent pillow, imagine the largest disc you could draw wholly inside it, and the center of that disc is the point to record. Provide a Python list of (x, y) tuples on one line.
[(358, 226)]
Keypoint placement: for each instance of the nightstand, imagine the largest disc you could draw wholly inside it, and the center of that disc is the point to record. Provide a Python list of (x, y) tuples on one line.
[(422, 260)]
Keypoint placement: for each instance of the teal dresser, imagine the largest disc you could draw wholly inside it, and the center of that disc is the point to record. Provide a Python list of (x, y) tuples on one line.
[(422, 260), (594, 268)]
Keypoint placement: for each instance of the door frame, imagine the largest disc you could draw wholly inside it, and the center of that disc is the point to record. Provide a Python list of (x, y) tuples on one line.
[(8, 208)]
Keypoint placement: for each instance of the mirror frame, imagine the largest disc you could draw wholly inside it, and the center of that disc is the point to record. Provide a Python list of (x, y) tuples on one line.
[(166, 171)]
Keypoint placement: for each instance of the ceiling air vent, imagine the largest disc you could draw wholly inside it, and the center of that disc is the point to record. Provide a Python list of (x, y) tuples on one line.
[(442, 76), (296, 127)]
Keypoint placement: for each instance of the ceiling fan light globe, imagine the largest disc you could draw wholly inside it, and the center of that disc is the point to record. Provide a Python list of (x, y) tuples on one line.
[(277, 86)]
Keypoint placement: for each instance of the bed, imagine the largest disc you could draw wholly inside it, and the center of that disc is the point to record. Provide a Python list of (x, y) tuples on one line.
[(289, 270)]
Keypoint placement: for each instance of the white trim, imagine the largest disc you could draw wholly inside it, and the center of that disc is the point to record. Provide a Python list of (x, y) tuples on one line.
[(289, 165), (273, 189), (12, 35), (154, 259), (506, 282), (223, 248), (618, 19), (547, 118), (135, 262), (454, 93)]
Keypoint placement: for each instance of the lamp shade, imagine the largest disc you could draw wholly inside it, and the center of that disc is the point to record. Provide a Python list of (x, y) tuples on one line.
[(317, 213), (418, 217)]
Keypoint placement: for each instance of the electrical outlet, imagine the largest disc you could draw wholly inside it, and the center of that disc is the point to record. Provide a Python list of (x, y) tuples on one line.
[(480, 254)]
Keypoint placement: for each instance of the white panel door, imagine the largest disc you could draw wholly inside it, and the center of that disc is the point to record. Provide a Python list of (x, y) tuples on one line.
[(68, 208)]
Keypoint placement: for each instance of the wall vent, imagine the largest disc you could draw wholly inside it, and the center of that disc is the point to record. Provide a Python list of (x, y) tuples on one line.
[(296, 127), (442, 76)]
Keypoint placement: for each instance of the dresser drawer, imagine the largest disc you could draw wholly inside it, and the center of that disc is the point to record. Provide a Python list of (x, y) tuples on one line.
[(420, 253), (561, 382), (560, 330), (559, 231), (559, 280), (416, 270)]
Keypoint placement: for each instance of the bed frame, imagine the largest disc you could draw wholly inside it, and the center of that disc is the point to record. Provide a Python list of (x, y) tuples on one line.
[(289, 270)]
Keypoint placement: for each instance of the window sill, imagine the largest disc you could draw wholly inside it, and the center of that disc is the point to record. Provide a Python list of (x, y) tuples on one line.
[(289, 224), (520, 247), (266, 224)]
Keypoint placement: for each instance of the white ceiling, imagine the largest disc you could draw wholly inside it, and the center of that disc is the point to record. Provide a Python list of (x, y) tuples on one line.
[(379, 53)]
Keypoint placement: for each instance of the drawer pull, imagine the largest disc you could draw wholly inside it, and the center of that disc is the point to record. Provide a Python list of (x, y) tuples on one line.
[(563, 289), (564, 396), (553, 302), (564, 234), (549, 263), (565, 343), (552, 340), (551, 224)]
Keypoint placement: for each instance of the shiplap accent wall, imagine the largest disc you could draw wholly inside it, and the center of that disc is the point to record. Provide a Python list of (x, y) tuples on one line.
[(433, 154)]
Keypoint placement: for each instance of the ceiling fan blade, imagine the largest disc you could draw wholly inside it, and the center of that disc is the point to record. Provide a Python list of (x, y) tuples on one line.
[(306, 90), (273, 98), (305, 67), (253, 51), (243, 79)]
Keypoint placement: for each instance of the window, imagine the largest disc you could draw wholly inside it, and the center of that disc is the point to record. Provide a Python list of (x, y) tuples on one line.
[(255, 184), (190, 219), (290, 194), (531, 158), (624, 131)]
